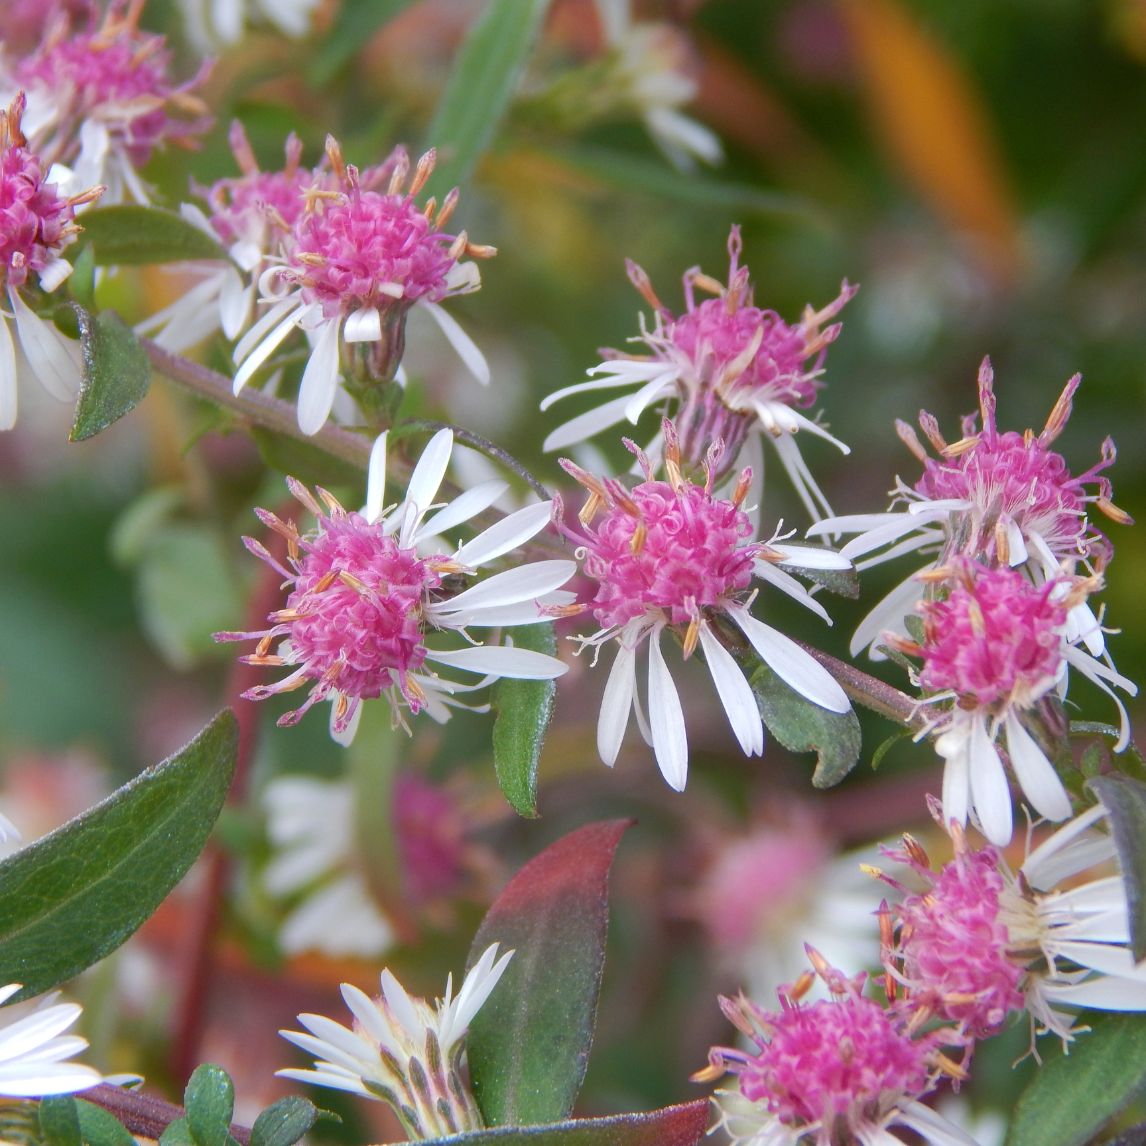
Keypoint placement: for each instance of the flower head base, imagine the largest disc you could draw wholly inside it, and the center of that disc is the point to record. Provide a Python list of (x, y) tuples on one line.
[(363, 599), (105, 101), (355, 262), (672, 555), (404, 1051), (837, 1070), (981, 942), (731, 368)]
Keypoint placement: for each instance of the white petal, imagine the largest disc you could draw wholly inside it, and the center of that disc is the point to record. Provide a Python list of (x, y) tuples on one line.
[(892, 530), (236, 299), (364, 325), (811, 557), (463, 507), (786, 583), (267, 347), (954, 747), (1101, 994), (735, 694), (622, 373), (852, 523), (502, 660), (798, 669), (587, 424), (616, 703), (319, 381), (1035, 773), (645, 396), (428, 473), (888, 614), (460, 341), (376, 478), (264, 325), (48, 353), (666, 719), (8, 396), (520, 584), (990, 793), (512, 531)]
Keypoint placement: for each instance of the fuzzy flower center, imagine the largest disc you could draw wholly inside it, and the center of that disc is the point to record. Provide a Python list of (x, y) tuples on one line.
[(840, 1059), (365, 249), (34, 219), (995, 639), (667, 551), (354, 613), (1011, 477), (954, 944), (719, 341)]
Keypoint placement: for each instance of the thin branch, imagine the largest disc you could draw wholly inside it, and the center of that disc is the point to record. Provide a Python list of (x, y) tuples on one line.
[(143, 1115), (870, 691)]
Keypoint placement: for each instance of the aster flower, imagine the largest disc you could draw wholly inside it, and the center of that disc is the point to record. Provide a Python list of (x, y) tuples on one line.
[(403, 1051), (671, 555), (36, 224), (994, 646), (833, 1072), (34, 1049), (102, 101), (357, 260), (1004, 498), (365, 597), (214, 23), (726, 369), (981, 942)]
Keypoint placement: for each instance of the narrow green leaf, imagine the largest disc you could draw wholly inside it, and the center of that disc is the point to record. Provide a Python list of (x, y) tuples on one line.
[(1125, 799), (353, 28), (878, 755), (621, 170), (842, 582), (482, 82), (210, 1103), (74, 896), (523, 710), (131, 235), (59, 1121), (529, 1045), (284, 1122), (684, 1125), (100, 1127), (117, 373), (81, 282), (1073, 1096), (802, 726)]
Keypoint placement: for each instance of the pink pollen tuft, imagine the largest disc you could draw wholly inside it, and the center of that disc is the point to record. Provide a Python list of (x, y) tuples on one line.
[(840, 1059), (689, 554), (954, 946), (995, 640)]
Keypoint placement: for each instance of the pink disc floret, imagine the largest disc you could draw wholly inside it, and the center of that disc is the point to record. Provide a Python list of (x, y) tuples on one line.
[(995, 639)]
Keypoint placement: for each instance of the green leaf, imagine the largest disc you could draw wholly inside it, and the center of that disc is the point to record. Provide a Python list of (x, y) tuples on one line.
[(483, 79), (74, 896), (284, 1122), (117, 373), (60, 1121), (100, 1127), (131, 235), (842, 582), (802, 726), (81, 282), (210, 1103), (523, 710), (529, 1045), (1125, 799), (878, 755), (178, 1133), (618, 169), (684, 1125), (353, 27), (311, 464), (1073, 1096)]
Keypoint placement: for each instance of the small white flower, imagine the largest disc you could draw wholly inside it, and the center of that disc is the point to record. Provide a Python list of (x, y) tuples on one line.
[(33, 1048)]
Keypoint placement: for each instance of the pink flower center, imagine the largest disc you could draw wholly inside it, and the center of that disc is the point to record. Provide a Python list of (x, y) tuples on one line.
[(954, 945), (713, 338), (681, 550), (994, 639), (366, 249), (33, 217), (1011, 477), (840, 1059), (356, 609)]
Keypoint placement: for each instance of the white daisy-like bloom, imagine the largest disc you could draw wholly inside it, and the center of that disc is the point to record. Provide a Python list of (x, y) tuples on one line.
[(993, 646), (310, 825), (34, 1049), (403, 1051), (726, 371), (368, 595), (212, 24), (1003, 498), (650, 67), (981, 942), (356, 261), (671, 556)]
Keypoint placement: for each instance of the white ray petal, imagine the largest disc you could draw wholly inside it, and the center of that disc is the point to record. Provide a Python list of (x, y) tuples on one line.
[(364, 325), (1102, 994), (427, 476), (466, 505), (587, 424), (616, 704), (376, 478), (502, 660), (888, 614), (954, 747), (621, 373), (465, 346), (786, 583), (811, 556), (644, 397), (519, 584), (666, 718), (735, 694), (990, 793), (1037, 778), (319, 381), (264, 325), (267, 347), (49, 354), (8, 395), (512, 531)]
